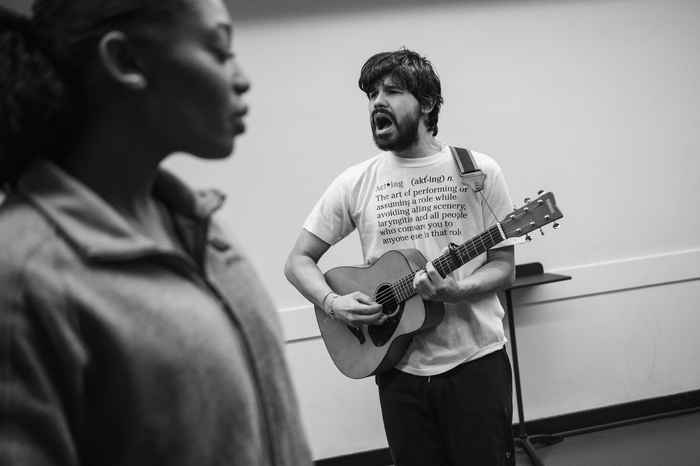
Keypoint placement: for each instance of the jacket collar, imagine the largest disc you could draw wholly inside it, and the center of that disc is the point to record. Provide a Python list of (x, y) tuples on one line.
[(97, 230)]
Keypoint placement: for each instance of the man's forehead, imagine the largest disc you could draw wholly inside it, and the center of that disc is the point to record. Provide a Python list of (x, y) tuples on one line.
[(387, 81)]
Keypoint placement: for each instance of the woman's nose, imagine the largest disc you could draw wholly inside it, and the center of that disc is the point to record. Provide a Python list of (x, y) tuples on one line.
[(239, 82)]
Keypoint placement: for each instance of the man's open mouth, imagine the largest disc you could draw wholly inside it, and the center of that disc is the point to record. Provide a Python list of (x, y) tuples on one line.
[(383, 122)]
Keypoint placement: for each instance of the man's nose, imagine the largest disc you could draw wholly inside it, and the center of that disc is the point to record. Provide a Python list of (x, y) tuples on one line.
[(380, 100)]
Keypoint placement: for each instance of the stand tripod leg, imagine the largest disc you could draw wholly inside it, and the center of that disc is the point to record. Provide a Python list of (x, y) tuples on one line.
[(544, 439), (523, 440), (530, 450)]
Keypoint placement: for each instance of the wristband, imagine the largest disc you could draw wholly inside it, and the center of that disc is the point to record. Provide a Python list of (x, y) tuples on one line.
[(323, 301)]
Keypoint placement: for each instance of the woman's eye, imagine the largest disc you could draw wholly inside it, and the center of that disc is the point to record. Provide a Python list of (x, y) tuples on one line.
[(223, 55)]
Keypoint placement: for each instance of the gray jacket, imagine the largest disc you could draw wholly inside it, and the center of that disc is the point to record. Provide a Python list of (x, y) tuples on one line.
[(115, 351)]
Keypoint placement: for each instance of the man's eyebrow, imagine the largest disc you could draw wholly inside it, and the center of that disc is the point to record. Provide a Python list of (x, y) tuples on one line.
[(390, 86)]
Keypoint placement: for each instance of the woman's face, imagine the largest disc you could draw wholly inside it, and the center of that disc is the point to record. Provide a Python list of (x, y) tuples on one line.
[(194, 85)]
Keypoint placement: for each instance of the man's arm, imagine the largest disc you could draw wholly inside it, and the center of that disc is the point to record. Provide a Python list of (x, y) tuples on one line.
[(497, 274), (301, 269)]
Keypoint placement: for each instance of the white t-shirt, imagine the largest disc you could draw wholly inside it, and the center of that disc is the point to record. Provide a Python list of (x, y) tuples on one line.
[(398, 203)]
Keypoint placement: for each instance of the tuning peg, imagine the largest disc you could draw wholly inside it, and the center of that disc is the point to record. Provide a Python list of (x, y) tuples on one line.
[(541, 231), (540, 192), (527, 200), (528, 238), (555, 225)]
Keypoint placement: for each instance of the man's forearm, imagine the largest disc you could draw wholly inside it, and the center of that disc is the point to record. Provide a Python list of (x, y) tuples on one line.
[(303, 273), (494, 276)]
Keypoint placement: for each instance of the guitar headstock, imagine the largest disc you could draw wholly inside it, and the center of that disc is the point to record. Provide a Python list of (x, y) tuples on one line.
[(535, 214)]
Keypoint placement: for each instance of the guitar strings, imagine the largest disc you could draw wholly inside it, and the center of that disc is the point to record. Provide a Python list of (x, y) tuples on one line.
[(405, 285)]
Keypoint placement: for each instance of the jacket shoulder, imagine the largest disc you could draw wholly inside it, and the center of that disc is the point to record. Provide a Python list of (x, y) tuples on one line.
[(24, 231)]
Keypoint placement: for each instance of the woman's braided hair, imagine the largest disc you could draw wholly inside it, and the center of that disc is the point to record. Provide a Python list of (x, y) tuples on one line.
[(47, 70)]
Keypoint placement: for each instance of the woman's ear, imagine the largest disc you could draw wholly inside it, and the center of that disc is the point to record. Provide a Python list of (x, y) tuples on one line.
[(120, 62)]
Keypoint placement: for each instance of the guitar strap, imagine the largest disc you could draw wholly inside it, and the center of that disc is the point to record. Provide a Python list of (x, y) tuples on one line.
[(471, 175)]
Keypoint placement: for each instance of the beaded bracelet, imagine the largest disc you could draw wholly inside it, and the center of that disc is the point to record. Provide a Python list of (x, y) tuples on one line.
[(332, 314)]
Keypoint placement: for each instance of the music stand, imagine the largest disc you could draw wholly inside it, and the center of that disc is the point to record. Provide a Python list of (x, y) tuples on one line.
[(526, 275)]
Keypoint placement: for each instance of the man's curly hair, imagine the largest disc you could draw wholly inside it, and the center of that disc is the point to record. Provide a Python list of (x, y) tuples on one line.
[(412, 72)]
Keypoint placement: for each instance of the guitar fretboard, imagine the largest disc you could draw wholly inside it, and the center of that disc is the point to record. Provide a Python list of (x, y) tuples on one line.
[(451, 261)]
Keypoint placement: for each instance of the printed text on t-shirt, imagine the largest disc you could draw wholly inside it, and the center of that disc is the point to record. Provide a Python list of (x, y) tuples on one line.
[(427, 209)]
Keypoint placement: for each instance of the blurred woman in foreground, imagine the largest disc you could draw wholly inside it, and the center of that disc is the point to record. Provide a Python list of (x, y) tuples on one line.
[(132, 331)]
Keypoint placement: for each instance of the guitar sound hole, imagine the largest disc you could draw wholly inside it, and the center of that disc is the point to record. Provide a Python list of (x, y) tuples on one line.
[(381, 334)]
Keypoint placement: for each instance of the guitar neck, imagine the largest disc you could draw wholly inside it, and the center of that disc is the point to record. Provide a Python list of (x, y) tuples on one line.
[(452, 260)]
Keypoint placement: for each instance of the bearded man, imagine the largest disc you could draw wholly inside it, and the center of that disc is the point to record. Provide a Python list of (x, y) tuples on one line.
[(448, 400)]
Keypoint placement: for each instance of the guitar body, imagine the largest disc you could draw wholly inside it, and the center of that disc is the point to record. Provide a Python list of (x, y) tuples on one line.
[(369, 350)]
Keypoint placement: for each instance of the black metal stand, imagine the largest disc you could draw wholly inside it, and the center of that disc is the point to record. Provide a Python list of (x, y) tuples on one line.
[(527, 275)]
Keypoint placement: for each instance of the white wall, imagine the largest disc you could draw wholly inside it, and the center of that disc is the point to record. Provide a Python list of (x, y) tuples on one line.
[(595, 100), (618, 331)]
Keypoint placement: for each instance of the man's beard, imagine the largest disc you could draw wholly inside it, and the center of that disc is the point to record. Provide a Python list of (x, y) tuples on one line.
[(404, 136)]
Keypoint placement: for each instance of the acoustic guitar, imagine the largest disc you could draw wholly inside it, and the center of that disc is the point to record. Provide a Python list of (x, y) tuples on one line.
[(360, 352)]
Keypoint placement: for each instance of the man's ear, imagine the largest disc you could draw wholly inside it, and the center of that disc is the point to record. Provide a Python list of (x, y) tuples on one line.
[(428, 107), (119, 60)]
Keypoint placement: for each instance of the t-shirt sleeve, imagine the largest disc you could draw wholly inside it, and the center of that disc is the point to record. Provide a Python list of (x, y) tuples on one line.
[(331, 218), (498, 200)]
